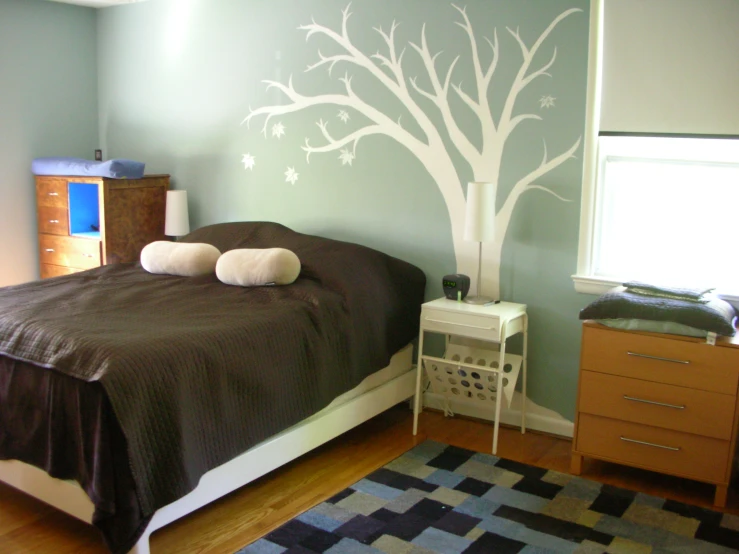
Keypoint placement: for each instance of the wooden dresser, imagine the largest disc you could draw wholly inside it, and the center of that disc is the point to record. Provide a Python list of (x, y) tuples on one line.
[(85, 222), (661, 402)]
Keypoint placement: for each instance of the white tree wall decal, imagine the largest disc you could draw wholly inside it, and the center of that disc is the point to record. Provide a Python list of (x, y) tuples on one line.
[(485, 161)]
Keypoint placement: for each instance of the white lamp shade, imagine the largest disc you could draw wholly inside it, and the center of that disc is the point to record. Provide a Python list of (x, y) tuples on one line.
[(177, 221), (479, 223)]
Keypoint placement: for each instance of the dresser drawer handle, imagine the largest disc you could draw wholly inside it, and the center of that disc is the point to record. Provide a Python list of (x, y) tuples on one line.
[(673, 448), (87, 255), (658, 358), (53, 194), (53, 221), (655, 403), (460, 324), (49, 249)]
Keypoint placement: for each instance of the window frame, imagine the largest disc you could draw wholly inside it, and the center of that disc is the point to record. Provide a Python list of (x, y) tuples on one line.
[(584, 279)]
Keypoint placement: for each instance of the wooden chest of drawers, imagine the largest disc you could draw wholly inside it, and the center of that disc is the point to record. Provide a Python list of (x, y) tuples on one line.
[(661, 402), (85, 222)]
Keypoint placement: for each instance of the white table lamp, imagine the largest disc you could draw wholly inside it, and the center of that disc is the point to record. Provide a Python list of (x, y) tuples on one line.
[(176, 221), (479, 225)]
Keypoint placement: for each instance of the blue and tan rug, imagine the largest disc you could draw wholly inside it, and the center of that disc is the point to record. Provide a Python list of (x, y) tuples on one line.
[(442, 499)]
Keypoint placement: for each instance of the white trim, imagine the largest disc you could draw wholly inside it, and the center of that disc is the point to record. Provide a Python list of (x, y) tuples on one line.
[(538, 418), (252, 464), (66, 496), (590, 146), (594, 285)]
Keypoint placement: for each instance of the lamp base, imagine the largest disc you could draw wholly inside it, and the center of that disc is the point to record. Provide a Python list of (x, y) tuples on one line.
[(479, 300)]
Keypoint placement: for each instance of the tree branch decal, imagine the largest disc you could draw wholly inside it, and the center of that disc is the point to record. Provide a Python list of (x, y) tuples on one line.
[(440, 98), (433, 83), (483, 79), (333, 144)]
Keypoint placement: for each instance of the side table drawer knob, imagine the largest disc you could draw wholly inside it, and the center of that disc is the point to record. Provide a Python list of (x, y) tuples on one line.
[(658, 358), (673, 448), (49, 249), (461, 324), (663, 404)]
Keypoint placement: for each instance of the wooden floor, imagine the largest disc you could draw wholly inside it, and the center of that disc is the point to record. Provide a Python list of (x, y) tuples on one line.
[(27, 525)]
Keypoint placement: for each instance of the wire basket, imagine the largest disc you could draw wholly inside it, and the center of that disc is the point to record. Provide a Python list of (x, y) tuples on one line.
[(476, 385)]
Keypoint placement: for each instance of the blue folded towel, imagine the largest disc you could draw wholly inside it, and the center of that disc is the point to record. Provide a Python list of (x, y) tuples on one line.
[(114, 169)]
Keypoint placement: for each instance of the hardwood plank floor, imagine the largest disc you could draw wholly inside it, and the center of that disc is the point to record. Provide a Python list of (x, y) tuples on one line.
[(27, 525)]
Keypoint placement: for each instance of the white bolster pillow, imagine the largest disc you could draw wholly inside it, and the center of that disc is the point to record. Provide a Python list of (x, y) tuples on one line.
[(248, 267), (187, 259)]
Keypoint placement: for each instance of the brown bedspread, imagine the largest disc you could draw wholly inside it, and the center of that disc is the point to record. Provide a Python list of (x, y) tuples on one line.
[(67, 428), (197, 371)]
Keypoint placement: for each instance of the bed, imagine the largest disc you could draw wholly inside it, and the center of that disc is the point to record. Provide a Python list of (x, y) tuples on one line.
[(129, 399)]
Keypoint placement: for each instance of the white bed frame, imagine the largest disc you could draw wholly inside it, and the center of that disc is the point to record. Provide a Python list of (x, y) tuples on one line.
[(69, 497)]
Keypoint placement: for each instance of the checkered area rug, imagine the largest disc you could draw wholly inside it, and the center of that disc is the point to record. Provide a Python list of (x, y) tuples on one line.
[(442, 499)]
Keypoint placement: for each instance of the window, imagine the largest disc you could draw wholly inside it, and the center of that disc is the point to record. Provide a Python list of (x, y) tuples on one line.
[(660, 208), (663, 210)]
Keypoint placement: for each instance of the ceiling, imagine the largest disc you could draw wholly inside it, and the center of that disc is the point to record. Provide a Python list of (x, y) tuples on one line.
[(97, 3)]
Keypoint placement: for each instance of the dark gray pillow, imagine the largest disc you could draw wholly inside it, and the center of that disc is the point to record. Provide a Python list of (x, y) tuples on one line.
[(716, 315)]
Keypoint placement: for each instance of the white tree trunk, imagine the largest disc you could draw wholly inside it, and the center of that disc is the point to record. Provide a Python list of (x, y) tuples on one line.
[(442, 171), (492, 252), (491, 256), (466, 253), (488, 171)]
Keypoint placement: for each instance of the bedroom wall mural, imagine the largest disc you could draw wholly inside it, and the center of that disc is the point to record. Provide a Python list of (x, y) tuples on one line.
[(365, 122), (436, 84)]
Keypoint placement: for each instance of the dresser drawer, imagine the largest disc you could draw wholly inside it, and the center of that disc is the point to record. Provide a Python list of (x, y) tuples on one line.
[(48, 270), (54, 221), (686, 455), (664, 360), (679, 408), (68, 251), (51, 192), (468, 325)]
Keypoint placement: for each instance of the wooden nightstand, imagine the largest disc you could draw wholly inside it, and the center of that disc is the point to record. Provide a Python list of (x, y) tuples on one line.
[(472, 374), (666, 403)]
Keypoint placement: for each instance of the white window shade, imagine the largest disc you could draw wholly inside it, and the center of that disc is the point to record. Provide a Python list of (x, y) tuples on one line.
[(671, 66)]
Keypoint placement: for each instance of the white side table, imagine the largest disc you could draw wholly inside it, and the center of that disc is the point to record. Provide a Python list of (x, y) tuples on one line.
[(471, 377)]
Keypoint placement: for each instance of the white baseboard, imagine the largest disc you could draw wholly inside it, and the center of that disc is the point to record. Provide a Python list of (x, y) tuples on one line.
[(538, 418)]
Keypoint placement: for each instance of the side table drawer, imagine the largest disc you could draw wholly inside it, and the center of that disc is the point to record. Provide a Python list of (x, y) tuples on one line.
[(51, 192), (657, 404), (661, 359), (682, 454), (53, 221), (456, 323), (69, 251)]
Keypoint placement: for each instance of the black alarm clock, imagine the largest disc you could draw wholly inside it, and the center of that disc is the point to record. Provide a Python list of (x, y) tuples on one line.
[(456, 286)]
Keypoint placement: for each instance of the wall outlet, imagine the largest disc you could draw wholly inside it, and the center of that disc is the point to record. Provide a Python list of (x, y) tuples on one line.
[(99, 155)]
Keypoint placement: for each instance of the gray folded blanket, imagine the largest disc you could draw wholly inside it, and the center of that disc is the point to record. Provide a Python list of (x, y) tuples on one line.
[(715, 315), (677, 293)]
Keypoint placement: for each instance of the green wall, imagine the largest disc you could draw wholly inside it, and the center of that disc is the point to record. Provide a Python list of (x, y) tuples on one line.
[(178, 77), (48, 107)]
